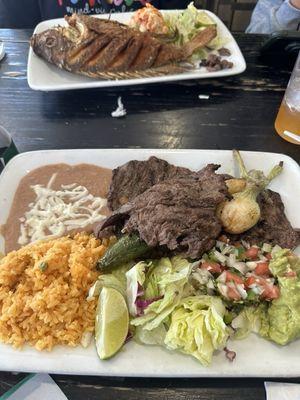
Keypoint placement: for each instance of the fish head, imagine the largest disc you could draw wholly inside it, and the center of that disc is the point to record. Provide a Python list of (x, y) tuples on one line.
[(51, 45)]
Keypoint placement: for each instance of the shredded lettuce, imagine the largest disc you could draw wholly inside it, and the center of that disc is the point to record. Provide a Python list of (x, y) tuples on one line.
[(166, 278), (135, 278), (197, 327), (187, 24)]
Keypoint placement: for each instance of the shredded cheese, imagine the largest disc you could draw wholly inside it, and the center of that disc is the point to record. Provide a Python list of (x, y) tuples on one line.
[(55, 212)]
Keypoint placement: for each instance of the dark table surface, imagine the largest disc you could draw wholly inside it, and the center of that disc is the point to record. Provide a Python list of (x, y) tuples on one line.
[(239, 113)]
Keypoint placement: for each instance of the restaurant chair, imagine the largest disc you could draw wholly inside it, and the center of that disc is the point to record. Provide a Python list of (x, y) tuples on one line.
[(235, 14)]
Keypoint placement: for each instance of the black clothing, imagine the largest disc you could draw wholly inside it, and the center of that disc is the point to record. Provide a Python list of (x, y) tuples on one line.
[(28, 13)]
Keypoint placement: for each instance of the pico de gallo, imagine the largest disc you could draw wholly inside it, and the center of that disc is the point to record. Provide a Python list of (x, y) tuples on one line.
[(238, 272)]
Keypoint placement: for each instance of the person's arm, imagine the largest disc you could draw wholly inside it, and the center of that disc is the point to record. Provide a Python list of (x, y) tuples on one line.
[(295, 3), (19, 14), (275, 15)]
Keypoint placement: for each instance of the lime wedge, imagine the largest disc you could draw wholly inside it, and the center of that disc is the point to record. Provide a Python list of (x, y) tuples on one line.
[(204, 19), (112, 321)]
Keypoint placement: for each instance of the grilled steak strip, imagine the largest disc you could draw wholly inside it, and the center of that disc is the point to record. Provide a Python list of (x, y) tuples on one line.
[(178, 213), (134, 177)]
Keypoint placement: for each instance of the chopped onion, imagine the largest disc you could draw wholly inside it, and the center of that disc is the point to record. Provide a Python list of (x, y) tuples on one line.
[(245, 244), (241, 289), (262, 257), (223, 289), (222, 278), (256, 289), (251, 265), (231, 260), (197, 264), (220, 245), (241, 267), (228, 249), (220, 257), (202, 275), (210, 284), (266, 248)]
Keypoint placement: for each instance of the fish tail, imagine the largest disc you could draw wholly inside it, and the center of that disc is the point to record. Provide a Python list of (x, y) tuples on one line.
[(200, 40)]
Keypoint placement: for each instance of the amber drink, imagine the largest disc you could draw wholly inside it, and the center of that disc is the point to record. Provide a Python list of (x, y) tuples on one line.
[(287, 123)]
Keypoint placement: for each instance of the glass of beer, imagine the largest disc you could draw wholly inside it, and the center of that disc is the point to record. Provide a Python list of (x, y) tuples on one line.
[(287, 123)]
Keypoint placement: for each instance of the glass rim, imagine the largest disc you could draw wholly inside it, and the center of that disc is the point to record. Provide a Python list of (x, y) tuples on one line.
[(4, 132)]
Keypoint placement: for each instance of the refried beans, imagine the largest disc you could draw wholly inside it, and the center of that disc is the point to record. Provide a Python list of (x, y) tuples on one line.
[(95, 179)]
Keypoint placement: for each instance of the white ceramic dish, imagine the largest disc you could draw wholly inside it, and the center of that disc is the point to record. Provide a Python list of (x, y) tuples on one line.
[(44, 76), (255, 356)]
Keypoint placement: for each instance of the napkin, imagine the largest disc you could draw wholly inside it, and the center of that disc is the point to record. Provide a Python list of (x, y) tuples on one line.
[(35, 387), (282, 391)]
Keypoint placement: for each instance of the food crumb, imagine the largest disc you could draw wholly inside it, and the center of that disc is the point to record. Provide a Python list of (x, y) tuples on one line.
[(224, 52), (214, 63), (230, 355), (226, 64), (120, 110), (203, 96)]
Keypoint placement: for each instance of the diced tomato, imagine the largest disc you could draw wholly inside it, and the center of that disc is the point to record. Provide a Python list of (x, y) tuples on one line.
[(250, 281), (268, 256), (262, 268), (270, 292), (258, 280), (252, 253), (231, 277), (223, 238), (233, 293), (291, 274), (212, 267)]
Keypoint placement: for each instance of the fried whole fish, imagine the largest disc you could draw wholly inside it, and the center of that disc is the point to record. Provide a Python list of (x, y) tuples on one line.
[(108, 49)]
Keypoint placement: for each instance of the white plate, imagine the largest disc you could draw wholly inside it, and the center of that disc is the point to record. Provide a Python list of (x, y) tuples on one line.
[(44, 76), (255, 356)]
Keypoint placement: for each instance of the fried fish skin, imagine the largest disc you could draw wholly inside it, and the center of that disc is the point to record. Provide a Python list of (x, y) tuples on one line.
[(95, 47)]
